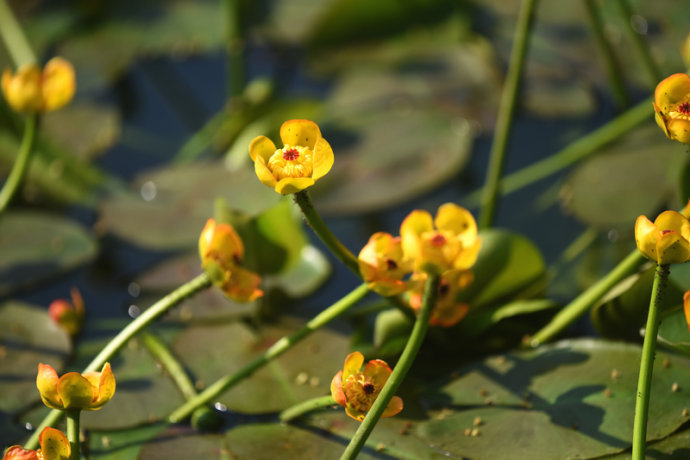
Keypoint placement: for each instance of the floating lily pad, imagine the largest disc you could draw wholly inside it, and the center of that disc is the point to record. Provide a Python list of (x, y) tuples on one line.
[(632, 177), (85, 130), (180, 200), (27, 337), (305, 371), (572, 399), (121, 444), (36, 246)]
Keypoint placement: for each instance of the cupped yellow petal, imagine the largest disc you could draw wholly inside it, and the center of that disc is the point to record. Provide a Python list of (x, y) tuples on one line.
[(261, 147), (678, 129), (23, 89), (671, 91), (300, 132), (672, 220), (337, 389), (395, 405), (47, 382), (468, 256), (353, 363), (646, 236), (58, 83), (105, 387), (54, 444), (323, 159), (290, 185), (18, 453), (672, 248), (457, 220), (75, 391), (242, 285), (660, 119), (263, 173), (379, 371), (355, 413), (411, 229)]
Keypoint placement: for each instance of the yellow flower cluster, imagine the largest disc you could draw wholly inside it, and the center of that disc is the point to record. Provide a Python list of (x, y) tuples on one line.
[(35, 90)]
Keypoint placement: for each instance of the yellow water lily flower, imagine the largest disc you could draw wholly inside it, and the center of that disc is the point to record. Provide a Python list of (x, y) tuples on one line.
[(448, 242), (305, 157), (54, 446), (672, 107), (356, 389), (87, 391), (447, 311), (221, 251), (32, 90), (666, 240), (382, 264)]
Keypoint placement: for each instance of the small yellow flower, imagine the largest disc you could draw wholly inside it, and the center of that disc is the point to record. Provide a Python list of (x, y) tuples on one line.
[(449, 242), (31, 90), (666, 240), (88, 391), (672, 107), (447, 311), (382, 265), (221, 252), (54, 446), (69, 316), (305, 157), (356, 390)]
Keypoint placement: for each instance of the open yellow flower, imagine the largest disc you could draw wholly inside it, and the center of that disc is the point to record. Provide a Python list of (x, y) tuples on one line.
[(666, 240), (54, 446), (32, 90), (87, 391), (356, 390), (382, 265), (672, 107), (221, 252), (305, 157), (449, 242), (447, 311)]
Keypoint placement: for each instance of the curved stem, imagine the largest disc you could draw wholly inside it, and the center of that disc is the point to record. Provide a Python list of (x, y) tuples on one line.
[(277, 349), (13, 37), (644, 382), (324, 233), (164, 356), (21, 164), (400, 371), (73, 432), (582, 303), (506, 110), (302, 408), (142, 321)]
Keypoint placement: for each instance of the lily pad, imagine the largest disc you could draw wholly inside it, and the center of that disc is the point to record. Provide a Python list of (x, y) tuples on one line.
[(27, 337), (36, 246), (305, 371), (573, 399), (171, 205)]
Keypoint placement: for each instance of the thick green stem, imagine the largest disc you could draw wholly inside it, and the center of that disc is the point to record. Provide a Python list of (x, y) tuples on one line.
[(506, 111), (21, 164), (13, 37), (302, 408), (137, 325), (164, 356), (644, 382), (613, 70), (235, 47), (277, 349), (639, 43), (582, 303), (324, 233), (402, 367), (573, 153), (73, 433)]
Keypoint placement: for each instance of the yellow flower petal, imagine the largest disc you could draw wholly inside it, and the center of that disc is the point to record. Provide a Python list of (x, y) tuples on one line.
[(353, 363), (290, 185), (18, 453), (646, 237), (263, 173), (337, 389), (300, 132), (323, 158), (75, 391), (457, 220), (261, 147), (242, 285), (105, 387), (46, 382), (678, 130), (23, 89), (671, 91), (58, 83), (355, 413), (672, 248), (54, 444), (468, 256), (379, 372), (395, 405)]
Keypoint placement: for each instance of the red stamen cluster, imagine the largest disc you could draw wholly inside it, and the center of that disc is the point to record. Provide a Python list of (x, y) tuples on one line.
[(438, 240), (684, 108), (291, 154)]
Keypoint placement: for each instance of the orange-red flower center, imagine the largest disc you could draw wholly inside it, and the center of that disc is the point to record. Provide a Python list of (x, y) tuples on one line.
[(290, 154), (684, 108), (368, 388), (438, 240)]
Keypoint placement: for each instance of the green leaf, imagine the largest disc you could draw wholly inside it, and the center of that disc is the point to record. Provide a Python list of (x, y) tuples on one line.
[(85, 130), (27, 337), (36, 246)]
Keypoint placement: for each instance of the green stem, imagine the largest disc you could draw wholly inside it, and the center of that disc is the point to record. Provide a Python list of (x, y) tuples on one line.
[(324, 233), (644, 383), (639, 43), (402, 367), (582, 303), (573, 153), (235, 47), (302, 408), (164, 356), (506, 111), (137, 325), (277, 349), (21, 164), (13, 37), (73, 432), (613, 70)]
